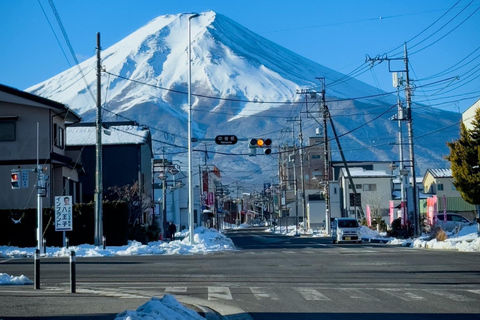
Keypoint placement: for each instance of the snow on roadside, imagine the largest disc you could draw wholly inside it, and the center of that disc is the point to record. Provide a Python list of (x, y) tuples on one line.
[(205, 241), (465, 241), (165, 308), (6, 279)]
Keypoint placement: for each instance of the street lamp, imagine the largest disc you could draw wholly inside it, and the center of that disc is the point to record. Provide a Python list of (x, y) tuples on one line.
[(191, 218)]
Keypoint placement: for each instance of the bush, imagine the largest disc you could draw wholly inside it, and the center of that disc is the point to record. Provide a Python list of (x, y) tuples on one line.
[(399, 231)]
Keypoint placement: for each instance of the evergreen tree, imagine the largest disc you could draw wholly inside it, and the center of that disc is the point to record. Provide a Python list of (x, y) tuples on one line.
[(465, 161)]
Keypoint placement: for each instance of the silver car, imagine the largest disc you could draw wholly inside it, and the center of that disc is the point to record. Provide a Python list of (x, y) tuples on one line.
[(453, 221), (346, 230)]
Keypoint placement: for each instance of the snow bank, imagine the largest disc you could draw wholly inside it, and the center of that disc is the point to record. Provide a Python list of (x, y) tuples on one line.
[(466, 241), (6, 279), (166, 308), (205, 241)]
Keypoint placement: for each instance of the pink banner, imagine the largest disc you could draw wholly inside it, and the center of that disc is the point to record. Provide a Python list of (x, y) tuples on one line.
[(369, 216), (392, 214), (431, 210), (444, 209)]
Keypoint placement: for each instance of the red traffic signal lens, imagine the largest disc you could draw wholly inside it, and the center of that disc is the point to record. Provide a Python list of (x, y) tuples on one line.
[(15, 176), (268, 142)]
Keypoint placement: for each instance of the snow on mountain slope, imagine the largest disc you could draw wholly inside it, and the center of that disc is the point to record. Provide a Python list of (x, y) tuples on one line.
[(242, 84)]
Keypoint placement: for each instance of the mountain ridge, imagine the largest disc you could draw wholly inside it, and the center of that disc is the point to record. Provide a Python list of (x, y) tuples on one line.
[(233, 72)]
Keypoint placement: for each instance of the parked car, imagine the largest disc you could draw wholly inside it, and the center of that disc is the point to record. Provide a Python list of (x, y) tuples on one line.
[(346, 230), (453, 220)]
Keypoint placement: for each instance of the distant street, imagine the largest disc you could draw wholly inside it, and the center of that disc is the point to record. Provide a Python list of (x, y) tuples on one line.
[(270, 277)]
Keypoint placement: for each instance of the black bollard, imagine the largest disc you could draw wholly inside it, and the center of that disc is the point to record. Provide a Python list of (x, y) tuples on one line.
[(104, 241), (37, 269), (66, 243), (44, 241), (73, 271)]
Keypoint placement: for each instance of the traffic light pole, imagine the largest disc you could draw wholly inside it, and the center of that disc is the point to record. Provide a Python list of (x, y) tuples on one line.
[(39, 195)]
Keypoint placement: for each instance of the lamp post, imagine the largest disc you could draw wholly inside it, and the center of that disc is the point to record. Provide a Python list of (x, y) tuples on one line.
[(190, 165)]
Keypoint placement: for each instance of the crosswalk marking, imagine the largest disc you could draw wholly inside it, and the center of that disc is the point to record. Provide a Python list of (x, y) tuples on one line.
[(312, 294), (176, 289), (357, 294), (474, 291), (219, 293), (263, 294), (289, 252), (404, 295), (449, 295)]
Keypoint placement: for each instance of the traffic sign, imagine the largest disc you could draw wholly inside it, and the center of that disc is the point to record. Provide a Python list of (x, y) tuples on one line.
[(226, 139)]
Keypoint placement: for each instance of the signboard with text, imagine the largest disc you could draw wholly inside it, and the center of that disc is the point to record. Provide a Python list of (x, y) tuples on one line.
[(63, 213)]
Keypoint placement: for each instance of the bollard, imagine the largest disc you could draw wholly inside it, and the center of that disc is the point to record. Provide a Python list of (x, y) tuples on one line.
[(37, 269), (66, 243), (104, 241), (73, 271), (44, 241)]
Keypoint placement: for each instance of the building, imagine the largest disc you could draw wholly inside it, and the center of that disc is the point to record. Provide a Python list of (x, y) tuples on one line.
[(126, 156), (439, 182), (467, 115), (32, 129), (373, 188)]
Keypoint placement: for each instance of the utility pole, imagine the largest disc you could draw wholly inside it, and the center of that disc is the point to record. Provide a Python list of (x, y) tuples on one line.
[(326, 168), (98, 154), (408, 97), (295, 175)]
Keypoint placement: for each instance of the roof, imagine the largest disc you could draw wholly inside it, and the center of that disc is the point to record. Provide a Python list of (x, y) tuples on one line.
[(68, 114), (440, 173), (362, 173), (84, 134)]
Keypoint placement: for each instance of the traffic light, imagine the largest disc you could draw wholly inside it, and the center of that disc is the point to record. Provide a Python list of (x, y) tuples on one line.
[(15, 179), (265, 144)]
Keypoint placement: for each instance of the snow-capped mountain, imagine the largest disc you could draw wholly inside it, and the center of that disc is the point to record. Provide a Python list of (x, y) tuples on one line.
[(242, 84)]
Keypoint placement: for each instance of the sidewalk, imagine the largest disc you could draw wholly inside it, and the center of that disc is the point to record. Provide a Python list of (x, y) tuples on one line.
[(24, 302)]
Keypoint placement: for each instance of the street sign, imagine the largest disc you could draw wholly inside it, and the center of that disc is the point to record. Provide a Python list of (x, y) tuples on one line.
[(24, 178), (226, 139), (63, 213)]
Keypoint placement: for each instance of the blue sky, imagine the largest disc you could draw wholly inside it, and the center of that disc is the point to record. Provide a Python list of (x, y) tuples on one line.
[(337, 34)]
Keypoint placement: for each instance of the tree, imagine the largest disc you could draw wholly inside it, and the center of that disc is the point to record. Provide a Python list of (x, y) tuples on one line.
[(465, 161)]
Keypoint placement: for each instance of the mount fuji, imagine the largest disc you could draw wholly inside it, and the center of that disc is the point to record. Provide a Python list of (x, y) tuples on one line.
[(242, 84)]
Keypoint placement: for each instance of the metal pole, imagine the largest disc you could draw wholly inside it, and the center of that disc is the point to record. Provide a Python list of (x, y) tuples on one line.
[(39, 196), (98, 155), (326, 162), (73, 272), (37, 269), (410, 145), (306, 223), (190, 163)]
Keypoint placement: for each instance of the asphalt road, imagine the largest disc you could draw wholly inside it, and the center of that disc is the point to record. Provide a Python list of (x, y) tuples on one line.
[(268, 277)]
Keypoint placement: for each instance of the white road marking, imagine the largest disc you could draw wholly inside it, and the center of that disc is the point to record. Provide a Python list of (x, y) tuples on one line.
[(357, 294), (176, 289), (312, 294), (263, 294), (219, 293), (451, 296), (402, 294)]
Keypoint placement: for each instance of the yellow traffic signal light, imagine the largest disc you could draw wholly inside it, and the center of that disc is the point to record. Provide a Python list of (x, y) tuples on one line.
[(261, 143)]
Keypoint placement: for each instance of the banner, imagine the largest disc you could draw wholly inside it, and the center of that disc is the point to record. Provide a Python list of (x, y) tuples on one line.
[(431, 210), (63, 213), (391, 213), (369, 216)]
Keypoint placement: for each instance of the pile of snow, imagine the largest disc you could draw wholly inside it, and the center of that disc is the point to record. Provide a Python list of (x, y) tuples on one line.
[(205, 241), (158, 309), (466, 241), (6, 279)]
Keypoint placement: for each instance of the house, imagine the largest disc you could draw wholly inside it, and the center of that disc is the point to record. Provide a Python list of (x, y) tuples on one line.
[(32, 129), (439, 182), (373, 188), (126, 156), (467, 115)]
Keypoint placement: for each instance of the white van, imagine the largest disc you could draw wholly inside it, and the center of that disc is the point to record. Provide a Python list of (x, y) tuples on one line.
[(346, 230)]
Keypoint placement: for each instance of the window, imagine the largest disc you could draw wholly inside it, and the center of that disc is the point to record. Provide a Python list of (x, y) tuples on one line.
[(355, 200), (335, 190), (58, 136), (453, 187), (370, 187), (358, 186), (8, 128), (316, 156), (440, 187)]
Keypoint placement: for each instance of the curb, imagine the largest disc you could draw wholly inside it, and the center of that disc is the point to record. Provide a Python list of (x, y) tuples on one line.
[(212, 310)]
